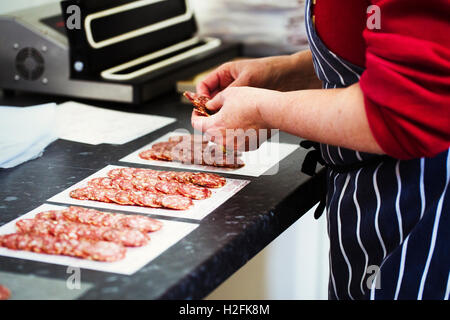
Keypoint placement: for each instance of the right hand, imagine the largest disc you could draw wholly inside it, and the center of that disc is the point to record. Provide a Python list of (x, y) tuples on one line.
[(282, 73), (265, 73)]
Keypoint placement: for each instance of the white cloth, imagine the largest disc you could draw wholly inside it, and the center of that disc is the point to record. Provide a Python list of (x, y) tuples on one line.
[(25, 132)]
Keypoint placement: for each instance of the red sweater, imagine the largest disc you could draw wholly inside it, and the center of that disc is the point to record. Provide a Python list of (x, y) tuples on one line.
[(406, 84)]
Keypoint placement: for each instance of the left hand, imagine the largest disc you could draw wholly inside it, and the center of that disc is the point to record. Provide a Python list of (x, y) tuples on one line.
[(237, 123)]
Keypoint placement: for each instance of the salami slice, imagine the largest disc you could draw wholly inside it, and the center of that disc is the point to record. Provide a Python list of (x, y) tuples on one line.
[(151, 200), (148, 155), (115, 182), (145, 184), (208, 180), (110, 195), (63, 229), (166, 175), (145, 173), (160, 146), (161, 151), (168, 187), (98, 218), (114, 173), (102, 251), (176, 202), (228, 160), (159, 155), (135, 195), (126, 184), (167, 152), (127, 172), (151, 188), (178, 139), (123, 198), (88, 216), (5, 294), (103, 182), (82, 193), (100, 194), (194, 192), (184, 177), (51, 215), (136, 222), (99, 251), (199, 102)]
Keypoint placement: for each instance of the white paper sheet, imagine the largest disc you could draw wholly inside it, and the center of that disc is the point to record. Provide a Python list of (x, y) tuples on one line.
[(136, 258), (92, 125), (198, 211), (264, 160)]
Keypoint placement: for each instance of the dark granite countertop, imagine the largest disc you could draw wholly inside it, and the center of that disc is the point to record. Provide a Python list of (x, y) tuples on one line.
[(225, 240)]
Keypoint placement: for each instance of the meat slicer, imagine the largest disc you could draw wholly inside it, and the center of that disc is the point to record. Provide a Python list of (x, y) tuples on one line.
[(122, 50)]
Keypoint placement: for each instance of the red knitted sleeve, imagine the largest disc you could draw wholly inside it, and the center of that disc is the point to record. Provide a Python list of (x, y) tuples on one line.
[(406, 83)]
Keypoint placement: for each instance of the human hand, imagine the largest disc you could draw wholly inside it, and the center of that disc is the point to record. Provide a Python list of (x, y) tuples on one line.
[(282, 73), (259, 73), (237, 123)]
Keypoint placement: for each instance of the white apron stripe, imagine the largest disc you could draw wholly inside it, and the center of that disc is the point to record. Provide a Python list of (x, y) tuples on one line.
[(340, 236), (308, 17), (322, 152), (447, 291), (329, 254), (422, 188), (377, 193), (326, 61), (358, 231), (358, 155), (434, 234), (309, 33), (345, 65), (397, 201), (329, 155), (340, 153), (402, 268)]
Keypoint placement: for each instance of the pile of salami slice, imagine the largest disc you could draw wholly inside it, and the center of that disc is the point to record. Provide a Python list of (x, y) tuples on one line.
[(193, 149), (199, 102), (81, 233), (150, 188)]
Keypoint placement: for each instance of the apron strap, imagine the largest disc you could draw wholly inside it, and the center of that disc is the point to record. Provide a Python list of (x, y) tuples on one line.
[(309, 167)]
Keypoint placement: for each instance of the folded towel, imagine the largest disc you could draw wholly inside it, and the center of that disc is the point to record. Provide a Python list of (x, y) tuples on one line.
[(25, 132)]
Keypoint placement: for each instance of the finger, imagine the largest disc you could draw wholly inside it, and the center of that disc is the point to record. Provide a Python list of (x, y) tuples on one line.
[(216, 103), (203, 89), (201, 123), (215, 81), (214, 93)]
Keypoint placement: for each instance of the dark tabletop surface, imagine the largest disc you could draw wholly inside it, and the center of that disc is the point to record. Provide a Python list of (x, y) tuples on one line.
[(225, 240)]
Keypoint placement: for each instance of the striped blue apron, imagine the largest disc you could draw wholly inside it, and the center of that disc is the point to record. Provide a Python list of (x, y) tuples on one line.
[(388, 220)]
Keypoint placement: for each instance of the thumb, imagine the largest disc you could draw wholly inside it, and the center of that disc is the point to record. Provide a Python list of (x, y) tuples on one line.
[(202, 123), (215, 103)]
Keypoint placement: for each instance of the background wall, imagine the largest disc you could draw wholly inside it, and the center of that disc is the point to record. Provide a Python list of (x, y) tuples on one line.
[(12, 5)]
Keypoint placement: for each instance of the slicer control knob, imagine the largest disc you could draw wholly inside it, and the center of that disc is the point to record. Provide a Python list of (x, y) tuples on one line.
[(78, 66)]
